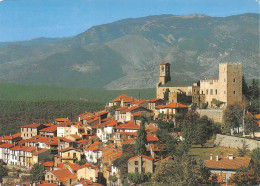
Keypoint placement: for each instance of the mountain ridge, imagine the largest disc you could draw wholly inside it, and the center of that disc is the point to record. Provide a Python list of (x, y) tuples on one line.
[(126, 54)]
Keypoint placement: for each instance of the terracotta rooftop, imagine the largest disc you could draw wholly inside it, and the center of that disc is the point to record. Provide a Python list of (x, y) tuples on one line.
[(5, 145), (228, 164), (133, 108), (48, 164), (89, 165), (154, 100), (129, 125), (34, 125), (39, 151), (176, 105), (164, 63), (151, 137), (257, 116), (63, 174), (62, 119), (124, 98), (89, 183), (143, 156), (121, 108), (129, 141), (110, 123), (67, 149), (50, 129)]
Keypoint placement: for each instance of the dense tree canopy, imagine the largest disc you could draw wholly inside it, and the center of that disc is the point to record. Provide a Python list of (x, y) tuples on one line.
[(233, 116), (181, 171), (140, 144), (37, 172)]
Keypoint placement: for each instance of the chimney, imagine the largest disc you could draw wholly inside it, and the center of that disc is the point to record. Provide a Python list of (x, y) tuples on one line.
[(217, 158), (210, 156), (230, 156)]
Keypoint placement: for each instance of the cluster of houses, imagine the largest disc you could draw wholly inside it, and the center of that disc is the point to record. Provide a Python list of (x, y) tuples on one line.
[(82, 152)]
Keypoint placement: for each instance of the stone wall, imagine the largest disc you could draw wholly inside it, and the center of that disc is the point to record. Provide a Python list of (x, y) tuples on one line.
[(215, 114), (235, 142)]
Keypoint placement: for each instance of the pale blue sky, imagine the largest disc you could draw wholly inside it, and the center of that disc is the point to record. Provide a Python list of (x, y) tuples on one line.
[(28, 19)]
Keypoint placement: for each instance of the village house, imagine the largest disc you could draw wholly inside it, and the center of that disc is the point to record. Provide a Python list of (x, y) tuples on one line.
[(93, 152), (70, 155), (225, 167), (88, 171), (123, 100), (171, 109), (63, 129), (31, 130), (141, 164), (152, 103), (61, 177), (50, 131), (137, 109), (11, 138), (105, 130)]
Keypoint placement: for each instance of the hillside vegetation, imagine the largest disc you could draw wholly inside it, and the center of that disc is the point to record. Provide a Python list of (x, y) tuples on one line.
[(24, 104)]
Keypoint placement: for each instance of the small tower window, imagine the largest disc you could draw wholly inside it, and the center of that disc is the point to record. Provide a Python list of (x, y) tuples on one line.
[(162, 68), (234, 92), (216, 91), (234, 80), (211, 91)]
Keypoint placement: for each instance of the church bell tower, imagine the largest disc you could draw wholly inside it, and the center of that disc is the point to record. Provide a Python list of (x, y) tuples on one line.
[(165, 74)]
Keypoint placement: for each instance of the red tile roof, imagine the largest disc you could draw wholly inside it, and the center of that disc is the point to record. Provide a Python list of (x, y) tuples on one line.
[(34, 125), (143, 156), (176, 105), (39, 151), (89, 166), (120, 108), (67, 149), (73, 166), (133, 108), (63, 174), (228, 164), (129, 141), (151, 137), (110, 123), (257, 116), (62, 119), (65, 124), (50, 129), (48, 164), (89, 183), (164, 63), (124, 98), (129, 125), (154, 100), (5, 145)]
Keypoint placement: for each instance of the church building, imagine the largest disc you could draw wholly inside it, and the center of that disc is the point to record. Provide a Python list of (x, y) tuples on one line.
[(226, 90)]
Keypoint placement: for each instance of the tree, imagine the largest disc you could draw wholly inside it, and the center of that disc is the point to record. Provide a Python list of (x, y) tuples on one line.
[(166, 95), (233, 116), (121, 162), (167, 142), (183, 170), (3, 171), (255, 154), (242, 151), (140, 145), (245, 89), (251, 124), (37, 172), (254, 89), (139, 178)]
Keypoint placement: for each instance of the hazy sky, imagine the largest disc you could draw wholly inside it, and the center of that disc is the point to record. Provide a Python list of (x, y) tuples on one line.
[(28, 19)]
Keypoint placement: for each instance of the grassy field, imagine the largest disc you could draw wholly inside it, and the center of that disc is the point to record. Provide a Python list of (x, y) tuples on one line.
[(15, 92)]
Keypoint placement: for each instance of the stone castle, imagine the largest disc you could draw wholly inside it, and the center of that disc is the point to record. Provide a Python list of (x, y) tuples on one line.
[(226, 90)]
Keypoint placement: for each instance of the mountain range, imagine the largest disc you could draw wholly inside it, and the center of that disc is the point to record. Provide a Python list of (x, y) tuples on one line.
[(126, 54)]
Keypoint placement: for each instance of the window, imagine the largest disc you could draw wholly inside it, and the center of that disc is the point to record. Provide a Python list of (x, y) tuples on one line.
[(202, 92), (68, 154), (234, 80), (211, 91), (136, 169), (74, 155), (234, 92), (136, 162), (216, 91)]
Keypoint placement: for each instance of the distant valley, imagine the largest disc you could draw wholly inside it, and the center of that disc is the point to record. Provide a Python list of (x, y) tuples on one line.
[(126, 54)]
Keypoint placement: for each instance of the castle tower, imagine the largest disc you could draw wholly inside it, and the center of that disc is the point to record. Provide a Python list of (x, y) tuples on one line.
[(230, 82), (165, 74)]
